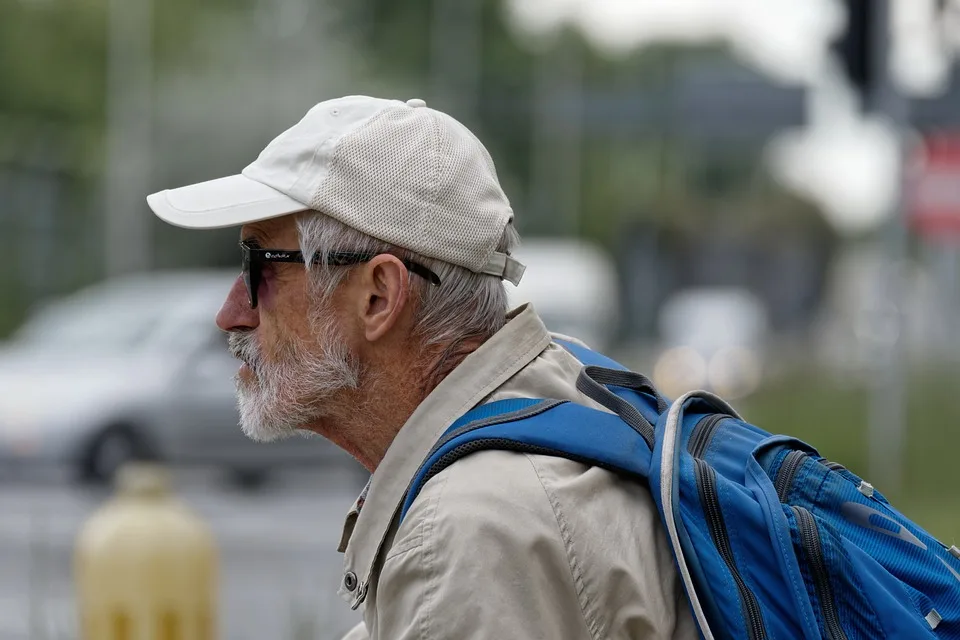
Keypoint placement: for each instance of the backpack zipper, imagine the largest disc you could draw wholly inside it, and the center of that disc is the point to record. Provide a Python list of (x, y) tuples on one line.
[(707, 485), (813, 548), (788, 471), (703, 434)]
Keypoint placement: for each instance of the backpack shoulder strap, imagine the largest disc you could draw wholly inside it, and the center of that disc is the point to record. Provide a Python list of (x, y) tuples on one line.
[(588, 356), (546, 427), (621, 440)]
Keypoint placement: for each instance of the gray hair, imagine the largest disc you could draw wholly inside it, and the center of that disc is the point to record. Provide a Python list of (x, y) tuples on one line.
[(464, 305)]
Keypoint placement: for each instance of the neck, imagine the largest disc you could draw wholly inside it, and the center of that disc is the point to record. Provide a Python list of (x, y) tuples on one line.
[(445, 359), (369, 418)]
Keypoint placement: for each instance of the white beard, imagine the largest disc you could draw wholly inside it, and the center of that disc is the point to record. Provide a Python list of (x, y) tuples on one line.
[(285, 397)]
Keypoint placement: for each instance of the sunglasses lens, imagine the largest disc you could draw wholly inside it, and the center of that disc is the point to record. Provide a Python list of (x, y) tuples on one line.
[(248, 276)]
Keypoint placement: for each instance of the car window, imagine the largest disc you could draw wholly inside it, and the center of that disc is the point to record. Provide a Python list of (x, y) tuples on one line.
[(189, 335), (92, 324), (141, 314)]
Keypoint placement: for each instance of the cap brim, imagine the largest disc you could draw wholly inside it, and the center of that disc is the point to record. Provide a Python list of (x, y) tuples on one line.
[(226, 202)]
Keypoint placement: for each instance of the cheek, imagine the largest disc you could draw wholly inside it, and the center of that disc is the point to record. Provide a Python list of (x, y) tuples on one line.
[(274, 335), (286, 293), (281, 332), (268, 342), (283, 303)]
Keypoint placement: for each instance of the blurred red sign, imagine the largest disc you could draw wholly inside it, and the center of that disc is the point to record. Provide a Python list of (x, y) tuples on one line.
[(933, 186)]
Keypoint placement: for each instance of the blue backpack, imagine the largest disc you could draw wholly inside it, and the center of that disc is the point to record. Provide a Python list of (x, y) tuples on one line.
[(771, 540)]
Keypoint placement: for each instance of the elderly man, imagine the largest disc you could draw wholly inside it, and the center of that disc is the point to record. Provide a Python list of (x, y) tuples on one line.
[(371, 309)]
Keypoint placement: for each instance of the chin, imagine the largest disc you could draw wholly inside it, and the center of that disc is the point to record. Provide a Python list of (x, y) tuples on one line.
[(256, 422), (257, 433), (268, 422)]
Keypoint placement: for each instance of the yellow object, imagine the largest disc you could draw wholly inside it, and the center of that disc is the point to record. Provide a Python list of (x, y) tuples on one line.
[(145, 566)]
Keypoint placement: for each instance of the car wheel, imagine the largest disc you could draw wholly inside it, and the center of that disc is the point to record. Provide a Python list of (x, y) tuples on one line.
[(248, 479), (113, 448)]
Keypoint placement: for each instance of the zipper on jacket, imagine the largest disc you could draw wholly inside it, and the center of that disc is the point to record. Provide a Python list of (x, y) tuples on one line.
[(703, 434), (788, 471), (707, 485), (813, 548)]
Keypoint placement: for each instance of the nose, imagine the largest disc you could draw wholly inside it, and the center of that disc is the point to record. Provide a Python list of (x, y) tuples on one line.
[(236, 314)]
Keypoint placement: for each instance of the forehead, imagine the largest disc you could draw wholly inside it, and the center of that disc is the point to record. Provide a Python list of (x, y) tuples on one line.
[(276, 232)]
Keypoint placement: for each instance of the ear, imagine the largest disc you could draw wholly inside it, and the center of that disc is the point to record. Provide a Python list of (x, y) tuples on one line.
[(385, 289)]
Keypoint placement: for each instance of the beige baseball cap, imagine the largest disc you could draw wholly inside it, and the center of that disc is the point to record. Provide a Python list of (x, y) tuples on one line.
[(399, 171)]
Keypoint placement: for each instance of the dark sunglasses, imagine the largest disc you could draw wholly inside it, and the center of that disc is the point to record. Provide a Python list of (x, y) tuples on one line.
[(255, 257)]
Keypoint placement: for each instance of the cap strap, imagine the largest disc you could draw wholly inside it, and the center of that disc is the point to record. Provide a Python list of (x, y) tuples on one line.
[(504, 266)]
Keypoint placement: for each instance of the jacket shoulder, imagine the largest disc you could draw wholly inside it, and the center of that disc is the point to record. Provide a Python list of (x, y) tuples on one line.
[(482, 535), (485, 491), (594, 539)]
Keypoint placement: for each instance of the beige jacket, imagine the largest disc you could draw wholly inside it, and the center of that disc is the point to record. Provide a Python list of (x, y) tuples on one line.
[(507, 545)]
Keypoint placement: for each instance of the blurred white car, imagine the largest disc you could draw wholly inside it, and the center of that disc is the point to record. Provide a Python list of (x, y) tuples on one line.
[(713, 339), (134, 368), (572, 284)]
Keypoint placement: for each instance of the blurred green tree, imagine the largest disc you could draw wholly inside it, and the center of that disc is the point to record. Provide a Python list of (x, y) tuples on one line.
[(53, 69), (53, 92), (622, 175), (566, 172)]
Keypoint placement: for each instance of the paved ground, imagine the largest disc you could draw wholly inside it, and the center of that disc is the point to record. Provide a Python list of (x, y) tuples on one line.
[(279, 565)]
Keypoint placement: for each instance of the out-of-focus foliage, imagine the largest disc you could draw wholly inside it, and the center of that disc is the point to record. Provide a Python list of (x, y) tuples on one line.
[(229, 76), (623, 177), (53, 112), (51, 58), (53, 73)]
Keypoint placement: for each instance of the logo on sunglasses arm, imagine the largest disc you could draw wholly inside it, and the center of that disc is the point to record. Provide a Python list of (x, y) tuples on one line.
[(269, 255)]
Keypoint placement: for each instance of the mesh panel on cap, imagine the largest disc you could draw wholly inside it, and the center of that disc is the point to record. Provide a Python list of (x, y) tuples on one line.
[(471, 204), (418, 179)]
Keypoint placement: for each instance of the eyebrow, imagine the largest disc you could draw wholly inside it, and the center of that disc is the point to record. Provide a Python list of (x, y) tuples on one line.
[(252, 240)]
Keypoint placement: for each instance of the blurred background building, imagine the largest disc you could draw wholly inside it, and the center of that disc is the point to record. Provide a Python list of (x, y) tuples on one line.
[(761, 197)]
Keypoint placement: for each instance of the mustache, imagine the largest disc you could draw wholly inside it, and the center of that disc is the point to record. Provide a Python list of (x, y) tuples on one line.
[(243, 346)]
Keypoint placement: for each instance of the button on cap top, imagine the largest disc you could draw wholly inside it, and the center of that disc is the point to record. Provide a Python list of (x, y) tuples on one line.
[(416, 102)]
